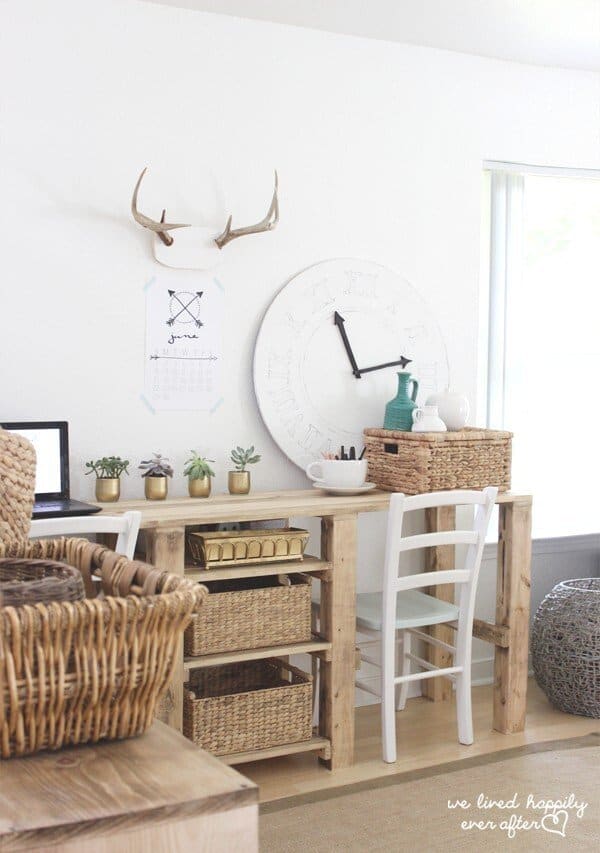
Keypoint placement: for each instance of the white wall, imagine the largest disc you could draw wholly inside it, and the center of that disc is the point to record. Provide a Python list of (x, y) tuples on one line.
[(379, 148)]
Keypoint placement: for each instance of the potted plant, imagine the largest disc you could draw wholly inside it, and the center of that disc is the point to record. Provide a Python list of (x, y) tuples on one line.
[(198, 471), (108, 471), (238, 481), (156, 470)]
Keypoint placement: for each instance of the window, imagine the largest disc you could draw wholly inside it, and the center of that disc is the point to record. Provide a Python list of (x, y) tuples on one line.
[(543, 377)]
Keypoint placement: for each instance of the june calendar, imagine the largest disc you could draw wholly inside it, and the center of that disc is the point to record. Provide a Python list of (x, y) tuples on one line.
[(183, 342)]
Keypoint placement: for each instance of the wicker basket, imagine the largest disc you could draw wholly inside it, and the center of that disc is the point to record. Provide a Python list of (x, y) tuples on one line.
[(78, 672), (251, 614), (225, 547), (413, 462), (246, 706), (17, 488), (38, 582)]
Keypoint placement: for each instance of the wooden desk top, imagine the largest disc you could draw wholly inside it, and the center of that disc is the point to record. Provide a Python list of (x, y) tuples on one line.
[(87, 791), (258, 506)]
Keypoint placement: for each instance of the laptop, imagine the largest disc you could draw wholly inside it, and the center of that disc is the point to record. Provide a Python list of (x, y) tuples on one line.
[(52, 488)]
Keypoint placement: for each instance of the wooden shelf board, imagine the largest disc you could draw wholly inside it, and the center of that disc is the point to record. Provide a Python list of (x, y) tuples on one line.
[(310, 646), (308, 565), (312, 745)]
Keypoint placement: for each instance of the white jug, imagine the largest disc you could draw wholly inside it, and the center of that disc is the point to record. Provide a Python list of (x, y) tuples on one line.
[(453, 408), (427, 419)]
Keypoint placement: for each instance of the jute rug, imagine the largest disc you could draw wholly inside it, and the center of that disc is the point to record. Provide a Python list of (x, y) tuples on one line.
[(537, 797)]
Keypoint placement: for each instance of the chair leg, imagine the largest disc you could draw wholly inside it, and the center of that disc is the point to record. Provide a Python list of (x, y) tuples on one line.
[(405, 670), (388, 695), (464, 711)]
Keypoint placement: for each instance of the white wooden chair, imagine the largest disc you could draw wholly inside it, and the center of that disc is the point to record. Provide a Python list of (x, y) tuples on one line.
[(126, 526), (403, 608)]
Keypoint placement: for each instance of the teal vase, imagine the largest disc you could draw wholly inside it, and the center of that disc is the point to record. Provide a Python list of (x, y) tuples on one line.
[(399, 411)]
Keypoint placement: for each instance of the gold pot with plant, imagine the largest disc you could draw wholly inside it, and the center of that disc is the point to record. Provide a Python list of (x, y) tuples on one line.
[(238, 481), (199, 473), (108, 471), (156, 471)]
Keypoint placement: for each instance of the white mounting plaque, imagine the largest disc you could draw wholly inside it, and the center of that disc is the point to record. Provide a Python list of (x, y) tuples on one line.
[(307, 393)]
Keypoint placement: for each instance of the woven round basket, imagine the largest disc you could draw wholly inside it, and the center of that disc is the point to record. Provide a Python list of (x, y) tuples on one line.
[(17, 488), (565, 646), (38, 582)]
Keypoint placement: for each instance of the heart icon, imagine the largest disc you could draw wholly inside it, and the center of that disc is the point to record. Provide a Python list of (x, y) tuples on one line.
[(555, 820)]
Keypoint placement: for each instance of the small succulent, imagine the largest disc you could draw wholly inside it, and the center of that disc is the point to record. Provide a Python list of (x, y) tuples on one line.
[(158, 466), (241, 457), (108, 467), (198, 467)]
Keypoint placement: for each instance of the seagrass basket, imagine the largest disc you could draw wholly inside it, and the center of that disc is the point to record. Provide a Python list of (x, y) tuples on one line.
[(79, 672), (248, 705), (418, 462), (251, 613)]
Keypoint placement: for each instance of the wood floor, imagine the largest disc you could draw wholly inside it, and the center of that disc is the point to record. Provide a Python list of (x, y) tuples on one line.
[(426, 734)]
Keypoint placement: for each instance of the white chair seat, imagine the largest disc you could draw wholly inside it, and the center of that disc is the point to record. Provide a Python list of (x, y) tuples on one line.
[(412, 610)]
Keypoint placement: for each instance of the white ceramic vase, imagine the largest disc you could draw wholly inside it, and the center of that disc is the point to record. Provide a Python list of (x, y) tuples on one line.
[(427, 419), (453, 408)]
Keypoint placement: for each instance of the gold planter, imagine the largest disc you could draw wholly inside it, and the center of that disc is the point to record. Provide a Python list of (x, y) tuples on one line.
[(199, 488), (108, 489), (156, 488), (238, 482)]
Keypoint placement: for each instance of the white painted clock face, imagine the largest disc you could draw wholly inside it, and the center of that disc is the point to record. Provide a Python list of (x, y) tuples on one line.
[(307, 393)]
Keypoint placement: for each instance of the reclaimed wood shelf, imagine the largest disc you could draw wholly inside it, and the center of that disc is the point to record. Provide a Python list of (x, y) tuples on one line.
[(309, 565), (308, 647), (315, 744)]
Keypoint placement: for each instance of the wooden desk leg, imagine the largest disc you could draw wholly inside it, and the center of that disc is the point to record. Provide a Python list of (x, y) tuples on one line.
[(165, 548), (436, 519), (338, 625), (512, 610)]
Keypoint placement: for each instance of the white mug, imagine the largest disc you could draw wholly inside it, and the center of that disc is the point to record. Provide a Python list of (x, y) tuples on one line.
[(339, 473), (427, 419)]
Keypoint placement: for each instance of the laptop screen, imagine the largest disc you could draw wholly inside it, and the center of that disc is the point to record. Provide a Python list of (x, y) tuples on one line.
[(51, 443)]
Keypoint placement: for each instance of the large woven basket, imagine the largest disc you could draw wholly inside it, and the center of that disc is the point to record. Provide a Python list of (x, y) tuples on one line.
[(246, 706), (79, 672), (17, 488), (414, 463), (251, 614)]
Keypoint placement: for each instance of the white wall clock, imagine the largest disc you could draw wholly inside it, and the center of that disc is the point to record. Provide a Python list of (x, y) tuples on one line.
[(329, 348)]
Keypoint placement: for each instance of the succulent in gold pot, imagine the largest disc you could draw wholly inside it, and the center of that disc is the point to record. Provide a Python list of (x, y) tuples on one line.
[(108, 471), (199, 473), (156, 471), (238, 481)]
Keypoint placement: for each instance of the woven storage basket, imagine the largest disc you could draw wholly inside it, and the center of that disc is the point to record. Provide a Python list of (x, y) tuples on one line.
[(250, 705), (251, 614), (73, 673), (565, 646), (17, 488), (413, 462), (38, 582)]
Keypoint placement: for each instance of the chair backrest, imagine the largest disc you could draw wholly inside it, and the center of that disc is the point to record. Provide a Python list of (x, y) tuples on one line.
[(473, 537), (126, 526)]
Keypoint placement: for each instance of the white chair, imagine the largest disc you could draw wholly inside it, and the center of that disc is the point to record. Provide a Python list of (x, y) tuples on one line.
[(126, 526), (403, 608)]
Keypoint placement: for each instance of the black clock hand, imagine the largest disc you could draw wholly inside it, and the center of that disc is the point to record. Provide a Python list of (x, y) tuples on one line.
[(339, 322), (402, 362)]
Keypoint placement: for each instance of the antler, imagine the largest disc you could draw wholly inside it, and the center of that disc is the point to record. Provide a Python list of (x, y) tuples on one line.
[(161, 227), (266, 224)]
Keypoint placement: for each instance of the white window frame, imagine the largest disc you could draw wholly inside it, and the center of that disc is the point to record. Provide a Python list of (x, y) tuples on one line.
[(503, 273)]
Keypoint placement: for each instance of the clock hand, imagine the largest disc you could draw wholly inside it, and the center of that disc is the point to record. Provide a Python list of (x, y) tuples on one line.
[(339, 322), (402, 362)]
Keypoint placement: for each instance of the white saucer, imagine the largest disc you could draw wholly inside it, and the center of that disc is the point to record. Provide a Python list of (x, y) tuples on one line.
[(346, 490)]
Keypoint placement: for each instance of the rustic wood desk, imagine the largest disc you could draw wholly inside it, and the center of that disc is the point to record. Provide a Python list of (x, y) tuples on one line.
[(165, 522), (157, 792)]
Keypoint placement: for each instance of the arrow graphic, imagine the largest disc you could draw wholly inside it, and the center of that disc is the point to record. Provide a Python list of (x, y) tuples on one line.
[(184, 357), (186, 308)]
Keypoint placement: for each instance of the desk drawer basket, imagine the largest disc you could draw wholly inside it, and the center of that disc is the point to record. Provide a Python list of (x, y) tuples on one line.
[(248, 705), (414, 463), (251, 613), (246, 547), (83, 671)]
